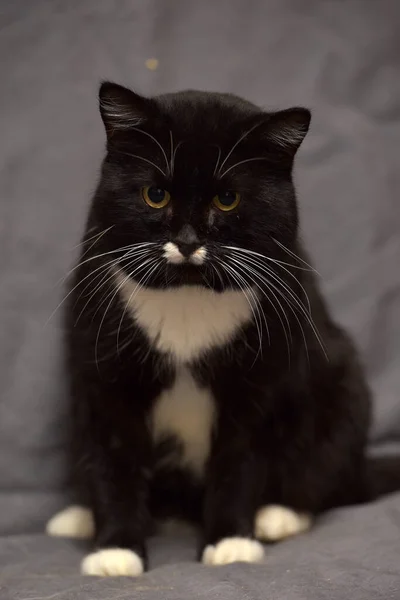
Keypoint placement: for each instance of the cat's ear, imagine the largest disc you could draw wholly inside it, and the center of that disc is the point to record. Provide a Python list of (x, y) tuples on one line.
[(120, 108), (288, 128)]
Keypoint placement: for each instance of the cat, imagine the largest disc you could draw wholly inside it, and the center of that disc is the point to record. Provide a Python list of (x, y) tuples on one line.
[(208, 380)]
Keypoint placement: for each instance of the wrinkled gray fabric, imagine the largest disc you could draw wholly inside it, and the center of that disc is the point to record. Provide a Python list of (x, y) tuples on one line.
[(341, 59)]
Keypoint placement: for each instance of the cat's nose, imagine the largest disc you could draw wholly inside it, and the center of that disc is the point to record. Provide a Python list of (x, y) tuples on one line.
[(187, 241)]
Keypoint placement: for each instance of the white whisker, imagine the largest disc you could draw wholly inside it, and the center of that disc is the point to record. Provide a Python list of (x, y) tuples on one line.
[(96, 235), (218, 159), (257, 319), (274, 260), (242, 162), (281, 265), (218, 274), (294, 298), (127, 256), (130, 248), (265, 283), (133, 260), (171, 152), (121, 249), (139, 284), (295, 255), (155, 141), (289, 304), (179, 144), (271, 286), (113, 296), (150, 162), (242, 137)]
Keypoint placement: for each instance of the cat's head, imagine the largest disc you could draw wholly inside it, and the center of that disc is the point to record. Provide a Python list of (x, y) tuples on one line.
[(189, 176)]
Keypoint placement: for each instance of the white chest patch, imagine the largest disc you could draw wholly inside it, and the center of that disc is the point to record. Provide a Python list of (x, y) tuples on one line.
[(187, 412), (185, 321)]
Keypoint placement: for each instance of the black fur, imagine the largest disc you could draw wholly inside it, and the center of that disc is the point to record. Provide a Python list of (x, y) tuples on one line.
[(290, 430)]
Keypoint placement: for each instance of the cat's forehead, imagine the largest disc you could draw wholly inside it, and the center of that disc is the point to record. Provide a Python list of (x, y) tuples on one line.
[(205, 114)]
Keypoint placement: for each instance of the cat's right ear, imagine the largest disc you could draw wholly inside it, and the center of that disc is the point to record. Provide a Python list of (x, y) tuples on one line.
[(122, 109)]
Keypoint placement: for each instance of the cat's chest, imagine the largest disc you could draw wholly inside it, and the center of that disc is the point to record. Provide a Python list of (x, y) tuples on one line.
[(187, 321), (183, 323), (186, 413)]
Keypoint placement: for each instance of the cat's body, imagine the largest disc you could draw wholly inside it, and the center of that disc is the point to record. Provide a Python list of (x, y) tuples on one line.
[(208, 380)]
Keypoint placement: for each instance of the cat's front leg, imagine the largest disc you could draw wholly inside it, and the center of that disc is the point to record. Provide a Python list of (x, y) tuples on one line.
[(115, 474), (233, 491)]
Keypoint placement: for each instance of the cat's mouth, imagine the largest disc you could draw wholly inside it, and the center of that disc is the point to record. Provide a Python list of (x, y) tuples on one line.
[(181, 255)]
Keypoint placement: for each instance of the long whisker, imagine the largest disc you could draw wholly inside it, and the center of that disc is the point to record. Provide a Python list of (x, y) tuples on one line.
[(116, 289), (108, 276), (130, 248), (263, 280), (139, 284), (281, 265), (179, 144), (154, 140), (242, 137), (96, 256), (295, 299), (218, 159), (99, 270), (271, 286), (113, 296), (96, 235), (289, 303), (237, 278), (294, 255), (241, 162), (275, 276), (171, 152), (218, 274), (144, 159), (268, 258), (258, 307)]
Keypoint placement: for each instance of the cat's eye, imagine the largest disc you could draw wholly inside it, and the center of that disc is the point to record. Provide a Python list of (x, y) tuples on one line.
[(226, 201), (155, 197)]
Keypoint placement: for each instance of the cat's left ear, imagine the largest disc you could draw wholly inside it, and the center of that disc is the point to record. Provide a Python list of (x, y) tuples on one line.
[(121, 109), (288, 128)]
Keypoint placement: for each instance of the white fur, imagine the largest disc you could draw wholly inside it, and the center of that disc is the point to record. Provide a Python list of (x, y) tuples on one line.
[(185, 321), (288, 136), (187, 412), (199, 256), (73, 522), (234, 549), (121, 116), (274, 523), (172, 254), (112, 562)]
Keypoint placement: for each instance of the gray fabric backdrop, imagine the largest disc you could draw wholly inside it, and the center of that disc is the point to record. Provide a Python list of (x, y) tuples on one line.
[(339, 58)]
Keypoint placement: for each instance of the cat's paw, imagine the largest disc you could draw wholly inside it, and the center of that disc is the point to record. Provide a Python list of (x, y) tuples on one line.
[(112, 562), (234, 549), (274, 523), (73, 522)]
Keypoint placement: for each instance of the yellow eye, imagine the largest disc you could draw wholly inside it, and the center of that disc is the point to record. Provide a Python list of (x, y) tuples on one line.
[(155, 197), (226, 201)]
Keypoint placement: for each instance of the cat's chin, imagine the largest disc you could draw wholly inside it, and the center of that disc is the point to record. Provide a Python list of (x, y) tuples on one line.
[(187, 276)]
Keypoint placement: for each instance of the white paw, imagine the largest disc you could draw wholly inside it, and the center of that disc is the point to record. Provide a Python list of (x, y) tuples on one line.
[(274, 522), (73, 522), (112, 562), (235, 549)]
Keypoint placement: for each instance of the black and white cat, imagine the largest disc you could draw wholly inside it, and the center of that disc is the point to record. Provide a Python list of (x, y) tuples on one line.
[(208, 380)]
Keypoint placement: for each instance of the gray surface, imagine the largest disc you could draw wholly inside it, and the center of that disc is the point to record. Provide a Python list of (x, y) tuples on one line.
[(340, 58)]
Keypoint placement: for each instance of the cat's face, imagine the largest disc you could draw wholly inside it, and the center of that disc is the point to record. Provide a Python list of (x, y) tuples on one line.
[(188, 177)]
